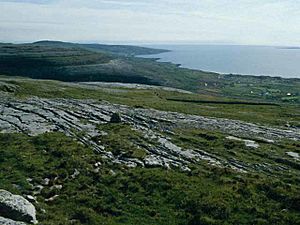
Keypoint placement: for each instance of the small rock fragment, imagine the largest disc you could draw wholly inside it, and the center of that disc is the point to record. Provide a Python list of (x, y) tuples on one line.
[(58, 187), (46, 181), (97, 164), (43, 210), (52, 198), (75, 174), (295, 155), (31, 198), (38, 189)]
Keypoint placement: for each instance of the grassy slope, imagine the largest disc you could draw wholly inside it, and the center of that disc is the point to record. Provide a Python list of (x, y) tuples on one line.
[(119, 195)]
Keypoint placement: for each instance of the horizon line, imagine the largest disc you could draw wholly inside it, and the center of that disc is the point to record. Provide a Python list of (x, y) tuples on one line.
[(139, 42)]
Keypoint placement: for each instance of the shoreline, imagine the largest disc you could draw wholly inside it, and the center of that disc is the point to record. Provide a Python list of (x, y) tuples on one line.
[(179, 65)]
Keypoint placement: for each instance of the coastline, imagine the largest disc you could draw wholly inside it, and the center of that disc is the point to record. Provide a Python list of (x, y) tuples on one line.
[(180, 65)]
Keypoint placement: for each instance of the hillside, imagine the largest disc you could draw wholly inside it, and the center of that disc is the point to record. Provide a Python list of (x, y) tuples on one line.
[(161, 162), (65, 63), (91, 134), (93, 62)]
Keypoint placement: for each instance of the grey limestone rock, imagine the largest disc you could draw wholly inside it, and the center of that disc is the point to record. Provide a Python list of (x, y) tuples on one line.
[(72, 116), (5, 221), (16, 207)]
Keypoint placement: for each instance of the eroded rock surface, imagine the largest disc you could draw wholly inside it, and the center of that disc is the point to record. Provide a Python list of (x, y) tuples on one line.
[(73, 117), (101, 85)]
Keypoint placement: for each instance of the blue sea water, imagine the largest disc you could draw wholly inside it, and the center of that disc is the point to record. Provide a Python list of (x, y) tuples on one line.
[(235, 59)]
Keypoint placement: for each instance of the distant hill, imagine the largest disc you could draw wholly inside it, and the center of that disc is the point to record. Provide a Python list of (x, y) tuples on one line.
[(93, 62), (116, 63), (290, 48), (72, 62), (125, 50)]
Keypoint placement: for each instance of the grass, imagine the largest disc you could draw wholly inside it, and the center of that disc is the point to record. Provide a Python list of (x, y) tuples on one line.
[(122, 141), (207, 195), (217, 144)]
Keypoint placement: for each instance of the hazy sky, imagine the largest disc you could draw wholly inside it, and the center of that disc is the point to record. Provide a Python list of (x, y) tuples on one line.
[(266, 22)]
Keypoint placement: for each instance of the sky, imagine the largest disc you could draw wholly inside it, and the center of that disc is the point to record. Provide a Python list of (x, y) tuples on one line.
[(253, 22)]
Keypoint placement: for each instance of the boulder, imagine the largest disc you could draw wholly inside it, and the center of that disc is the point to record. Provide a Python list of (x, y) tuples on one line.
[(16, 207), (5, 221), (116, 118)]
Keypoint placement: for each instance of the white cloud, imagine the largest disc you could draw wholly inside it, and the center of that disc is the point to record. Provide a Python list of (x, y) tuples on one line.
[(247, 22)]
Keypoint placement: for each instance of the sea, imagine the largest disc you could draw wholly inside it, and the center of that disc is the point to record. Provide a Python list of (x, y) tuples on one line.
[(234, 59)]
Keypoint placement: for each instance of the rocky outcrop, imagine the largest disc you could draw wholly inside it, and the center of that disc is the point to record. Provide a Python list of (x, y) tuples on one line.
[(16, 207), (81, 119), (114, 85)]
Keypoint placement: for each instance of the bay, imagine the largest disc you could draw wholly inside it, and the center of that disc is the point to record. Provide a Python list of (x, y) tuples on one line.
[(235, 59)]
